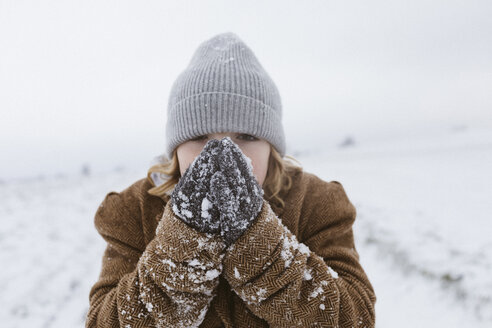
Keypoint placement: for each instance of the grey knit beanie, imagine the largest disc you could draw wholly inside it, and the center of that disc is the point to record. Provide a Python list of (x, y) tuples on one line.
[(224, 89)]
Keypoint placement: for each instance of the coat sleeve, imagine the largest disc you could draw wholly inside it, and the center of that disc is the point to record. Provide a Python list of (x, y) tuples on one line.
[(169, 282), (292, 284)]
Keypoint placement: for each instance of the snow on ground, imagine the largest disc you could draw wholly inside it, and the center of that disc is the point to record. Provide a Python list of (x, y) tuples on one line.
[(422, 231), (424, 204), (50, 251)]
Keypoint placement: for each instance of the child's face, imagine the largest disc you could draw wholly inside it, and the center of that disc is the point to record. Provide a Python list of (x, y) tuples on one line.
[(258, 150)]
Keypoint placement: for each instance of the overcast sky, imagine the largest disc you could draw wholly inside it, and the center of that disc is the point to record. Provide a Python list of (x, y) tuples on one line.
[(88, 81)]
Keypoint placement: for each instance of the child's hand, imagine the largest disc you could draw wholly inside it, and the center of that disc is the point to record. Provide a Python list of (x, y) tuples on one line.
[(191, 198), (236, 192)]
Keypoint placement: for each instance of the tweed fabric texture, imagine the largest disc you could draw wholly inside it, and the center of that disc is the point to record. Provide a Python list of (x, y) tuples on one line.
[(294, 267), (224, 89)]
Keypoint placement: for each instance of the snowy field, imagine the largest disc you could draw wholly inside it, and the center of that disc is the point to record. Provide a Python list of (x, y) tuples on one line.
[(423, 231)]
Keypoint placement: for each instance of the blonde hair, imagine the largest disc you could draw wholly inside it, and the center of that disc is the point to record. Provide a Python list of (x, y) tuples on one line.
[(277, 182)]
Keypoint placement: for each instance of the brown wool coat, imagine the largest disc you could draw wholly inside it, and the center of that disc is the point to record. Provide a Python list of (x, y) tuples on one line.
[(296, 267)]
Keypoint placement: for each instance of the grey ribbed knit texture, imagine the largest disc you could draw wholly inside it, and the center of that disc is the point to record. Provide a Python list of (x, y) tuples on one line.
[(224, 89)]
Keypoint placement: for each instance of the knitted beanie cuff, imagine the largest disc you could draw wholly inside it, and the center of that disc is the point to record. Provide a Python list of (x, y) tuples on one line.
[(215, 112)]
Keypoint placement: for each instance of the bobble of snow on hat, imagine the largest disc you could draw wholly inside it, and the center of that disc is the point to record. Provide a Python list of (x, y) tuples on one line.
[(224, 89)]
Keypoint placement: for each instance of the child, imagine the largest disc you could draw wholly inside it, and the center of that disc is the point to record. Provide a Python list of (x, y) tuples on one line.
[(227, 232)]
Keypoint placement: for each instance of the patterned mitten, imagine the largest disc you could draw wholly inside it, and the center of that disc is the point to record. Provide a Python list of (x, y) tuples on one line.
[(236, 193), (191, 198)]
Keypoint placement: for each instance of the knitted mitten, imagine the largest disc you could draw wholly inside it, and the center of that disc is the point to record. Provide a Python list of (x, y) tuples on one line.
[(191, 198), (236, 193)]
